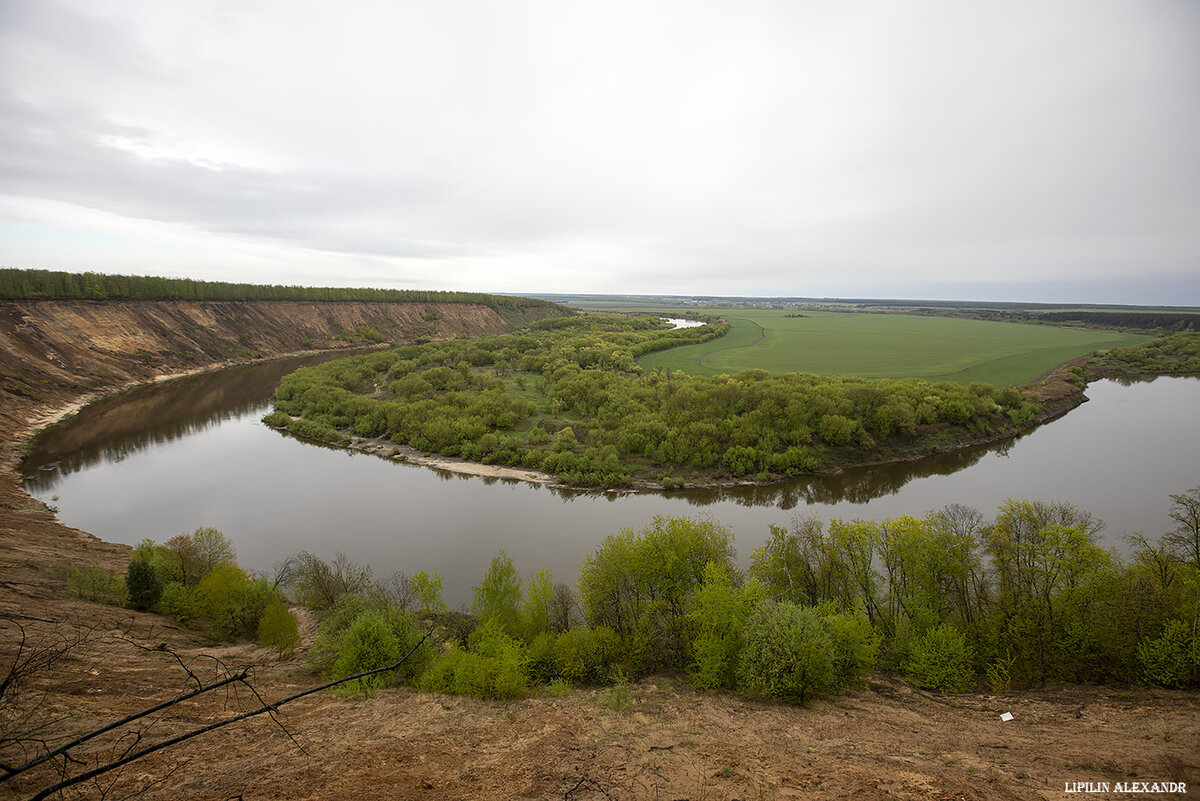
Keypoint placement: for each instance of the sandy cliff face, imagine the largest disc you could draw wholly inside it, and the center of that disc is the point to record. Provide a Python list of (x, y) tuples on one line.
[(54, 350)]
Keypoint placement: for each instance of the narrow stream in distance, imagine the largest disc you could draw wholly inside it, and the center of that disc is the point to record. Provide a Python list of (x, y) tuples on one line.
[(175, 456)]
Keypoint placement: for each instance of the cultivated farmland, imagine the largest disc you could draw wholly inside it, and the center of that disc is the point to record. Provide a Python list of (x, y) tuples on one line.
[(886, 346)]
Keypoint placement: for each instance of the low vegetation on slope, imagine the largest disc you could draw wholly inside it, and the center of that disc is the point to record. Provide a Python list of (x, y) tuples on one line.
[(566, 396)]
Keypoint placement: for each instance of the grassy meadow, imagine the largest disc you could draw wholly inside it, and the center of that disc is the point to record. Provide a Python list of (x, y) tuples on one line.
[(886, 346)]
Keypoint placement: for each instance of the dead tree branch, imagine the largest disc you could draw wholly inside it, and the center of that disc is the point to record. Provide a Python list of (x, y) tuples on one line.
[(265, 708)]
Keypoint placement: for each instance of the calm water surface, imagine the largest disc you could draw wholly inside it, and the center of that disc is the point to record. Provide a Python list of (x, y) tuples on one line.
[(171, 458)]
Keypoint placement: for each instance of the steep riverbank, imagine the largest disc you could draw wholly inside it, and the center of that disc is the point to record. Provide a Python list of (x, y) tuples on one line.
[(56, 349), (57, 355)]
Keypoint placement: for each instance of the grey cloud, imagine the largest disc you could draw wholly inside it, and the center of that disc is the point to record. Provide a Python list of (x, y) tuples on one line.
[(60, 153)]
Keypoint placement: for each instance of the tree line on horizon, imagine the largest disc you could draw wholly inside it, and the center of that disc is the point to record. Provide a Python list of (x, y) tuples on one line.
[(18, 284)]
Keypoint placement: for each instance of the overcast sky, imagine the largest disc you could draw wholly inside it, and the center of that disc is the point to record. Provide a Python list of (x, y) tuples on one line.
[(1015, 150)]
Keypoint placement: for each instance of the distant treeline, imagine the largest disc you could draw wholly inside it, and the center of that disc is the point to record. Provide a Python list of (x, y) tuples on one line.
[(1028, 306), (1147, 321), (1160, 322), (49, 284)]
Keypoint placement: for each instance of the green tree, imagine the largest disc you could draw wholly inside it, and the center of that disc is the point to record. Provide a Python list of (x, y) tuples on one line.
[(718, 617), (498, 596), (792, 564), (188, 558), (143, 584), (539, 600), (931, 570), (640, 583), (427, 590), (1042, 554), (232, 602)]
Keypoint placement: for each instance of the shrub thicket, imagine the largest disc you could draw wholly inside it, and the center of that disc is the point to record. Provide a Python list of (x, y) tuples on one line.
[(1170, 659), (940, 659)]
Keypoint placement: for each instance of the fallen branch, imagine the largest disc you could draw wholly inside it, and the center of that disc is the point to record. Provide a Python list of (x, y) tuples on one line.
[(265, 708)]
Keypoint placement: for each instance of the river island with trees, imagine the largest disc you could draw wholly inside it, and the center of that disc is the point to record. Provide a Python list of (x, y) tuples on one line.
[(567, 397)]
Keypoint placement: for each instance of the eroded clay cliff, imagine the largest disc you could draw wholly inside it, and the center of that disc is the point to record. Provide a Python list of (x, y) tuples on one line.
[(52, 351)]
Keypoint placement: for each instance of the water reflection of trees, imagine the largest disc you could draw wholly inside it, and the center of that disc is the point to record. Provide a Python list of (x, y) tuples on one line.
[(858, 485), (120, 425)]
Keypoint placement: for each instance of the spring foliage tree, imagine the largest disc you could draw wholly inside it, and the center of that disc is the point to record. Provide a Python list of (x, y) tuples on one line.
[(498, 596), (640, 583)]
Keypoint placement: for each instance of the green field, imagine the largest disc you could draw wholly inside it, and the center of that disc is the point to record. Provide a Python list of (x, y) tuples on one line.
[(886, 346)]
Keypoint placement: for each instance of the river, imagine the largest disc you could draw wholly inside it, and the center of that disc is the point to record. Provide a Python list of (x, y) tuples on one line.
[(172, 457)]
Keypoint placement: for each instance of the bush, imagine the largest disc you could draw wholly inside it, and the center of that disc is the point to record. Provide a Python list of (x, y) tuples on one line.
[(368, 644), (278, 630), (789, 653), (940, 659), (855, 645), (94, 583), (542, 658), (277, 419), (587, 656), (408, 632), (368, 334), (1169, 659), (718, 615), (494, 668), (330, 646), (231, 602), (334, 624), (620, 699)]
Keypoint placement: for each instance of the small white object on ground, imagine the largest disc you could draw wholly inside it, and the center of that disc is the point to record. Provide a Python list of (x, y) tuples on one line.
[(1006, 716)]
